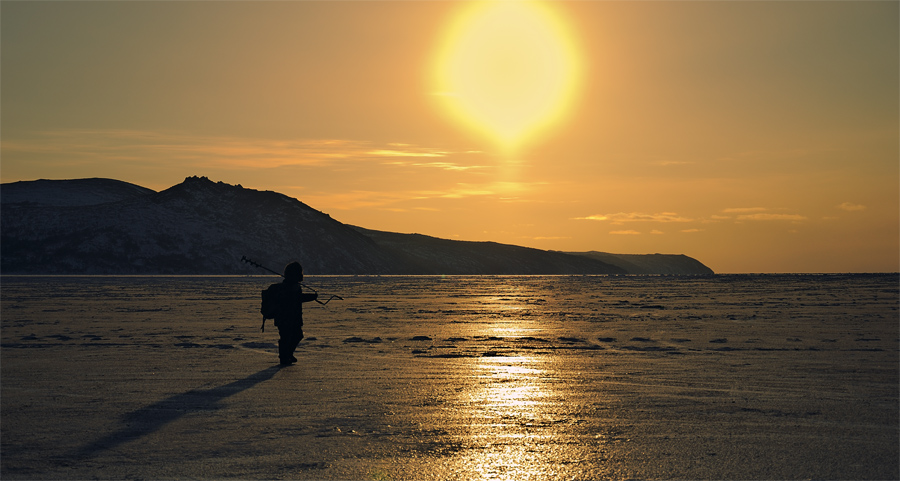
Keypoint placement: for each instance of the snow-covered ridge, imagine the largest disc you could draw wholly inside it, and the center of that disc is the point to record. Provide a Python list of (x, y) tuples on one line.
[(103, 226)]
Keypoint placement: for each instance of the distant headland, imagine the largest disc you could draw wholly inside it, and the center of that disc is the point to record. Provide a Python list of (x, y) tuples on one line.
[(105, 226)]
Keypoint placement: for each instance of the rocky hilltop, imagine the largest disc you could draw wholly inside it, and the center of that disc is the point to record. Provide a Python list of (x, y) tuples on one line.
[(103, 226)]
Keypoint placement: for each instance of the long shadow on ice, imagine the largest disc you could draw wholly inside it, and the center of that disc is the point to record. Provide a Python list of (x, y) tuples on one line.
[(146, 420)]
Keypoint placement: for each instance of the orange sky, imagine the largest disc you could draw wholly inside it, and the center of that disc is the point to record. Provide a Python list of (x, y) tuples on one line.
[(753, 136)]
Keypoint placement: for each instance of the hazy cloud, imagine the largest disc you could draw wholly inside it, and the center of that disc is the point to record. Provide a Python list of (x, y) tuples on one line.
[(357, 199), (461, 192), (402, 153), (769, 216), (438, 165), (592, 217), (391, 200), (103, 146), (762, 214), (744, 214), (851, 207), (744, 210), (624, 232), (623, 217)]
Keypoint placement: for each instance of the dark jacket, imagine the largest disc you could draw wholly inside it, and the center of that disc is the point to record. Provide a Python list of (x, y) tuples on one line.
[(291, 299)]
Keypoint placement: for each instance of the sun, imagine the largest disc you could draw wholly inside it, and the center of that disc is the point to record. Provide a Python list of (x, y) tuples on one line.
[(507, 69)]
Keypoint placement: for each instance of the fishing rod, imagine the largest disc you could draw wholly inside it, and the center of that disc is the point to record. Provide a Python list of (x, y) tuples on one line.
[(256, 264)]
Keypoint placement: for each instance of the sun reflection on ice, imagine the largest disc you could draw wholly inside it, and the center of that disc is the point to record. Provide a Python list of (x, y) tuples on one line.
[(508, 388), (518, 413), (508, 410), (509, 313)]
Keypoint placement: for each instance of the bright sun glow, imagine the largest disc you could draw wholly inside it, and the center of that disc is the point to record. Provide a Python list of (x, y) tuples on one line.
[(507, 69)]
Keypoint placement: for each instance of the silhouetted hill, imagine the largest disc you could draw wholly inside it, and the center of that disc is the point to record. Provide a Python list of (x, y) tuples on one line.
[(196, 227), (70, 192), (431, 255), (102, 226), (678, 264)]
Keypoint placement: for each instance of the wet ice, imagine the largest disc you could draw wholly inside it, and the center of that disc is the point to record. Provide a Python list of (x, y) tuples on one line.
[(546, 377)]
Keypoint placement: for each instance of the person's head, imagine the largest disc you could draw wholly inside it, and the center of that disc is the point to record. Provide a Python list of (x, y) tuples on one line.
[(293, 272)]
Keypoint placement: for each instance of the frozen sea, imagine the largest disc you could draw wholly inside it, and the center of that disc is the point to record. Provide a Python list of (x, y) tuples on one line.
[(454, 378)]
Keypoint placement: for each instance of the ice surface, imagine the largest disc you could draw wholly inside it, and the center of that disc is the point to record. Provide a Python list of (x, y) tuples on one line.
[(546, 377)]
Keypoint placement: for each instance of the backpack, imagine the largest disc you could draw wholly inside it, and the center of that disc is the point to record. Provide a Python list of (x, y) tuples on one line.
[(271, 304)]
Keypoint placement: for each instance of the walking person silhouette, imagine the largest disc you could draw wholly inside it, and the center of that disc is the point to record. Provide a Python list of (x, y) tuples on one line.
[(289, 298)]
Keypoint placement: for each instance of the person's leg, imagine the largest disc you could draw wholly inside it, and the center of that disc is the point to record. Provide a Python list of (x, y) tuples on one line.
[(285, 344), (296, 337), (289, 337)]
